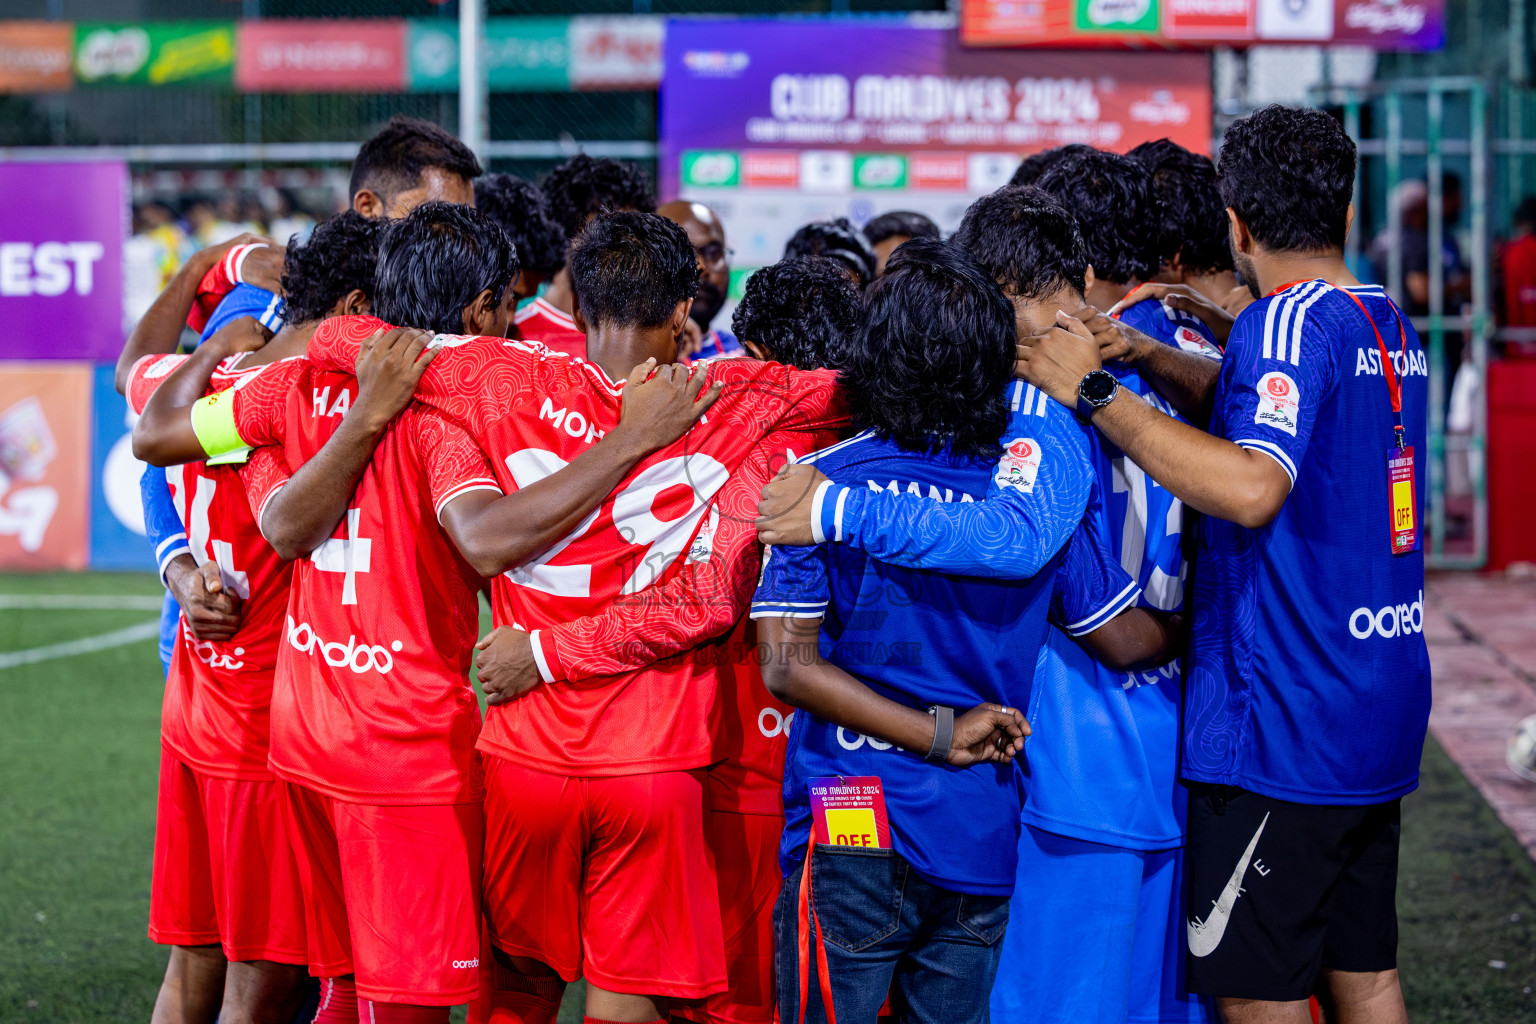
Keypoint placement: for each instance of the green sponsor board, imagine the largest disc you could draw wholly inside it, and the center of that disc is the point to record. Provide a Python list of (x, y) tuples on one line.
[(711, 168), (738, 286), (155, 53), (879, 170), (521, 55), (1118, 16)]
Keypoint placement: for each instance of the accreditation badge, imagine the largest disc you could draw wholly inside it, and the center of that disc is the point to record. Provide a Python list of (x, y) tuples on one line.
[(849, 810), (1403, 499)]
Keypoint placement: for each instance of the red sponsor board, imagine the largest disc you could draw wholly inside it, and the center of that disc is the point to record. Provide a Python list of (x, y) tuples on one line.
[(45, 465), (36, 56), (1208, 19), (767, 168), (321, 56), (946, 171)]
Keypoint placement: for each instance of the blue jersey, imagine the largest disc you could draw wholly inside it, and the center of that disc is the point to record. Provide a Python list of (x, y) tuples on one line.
[(922, 638), (266, 308), (1171, 327), (1309, 678), (1102, 760)]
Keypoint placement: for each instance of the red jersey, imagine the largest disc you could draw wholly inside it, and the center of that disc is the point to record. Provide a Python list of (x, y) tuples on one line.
[(220, 279), (218, 696), (372, 703), (633, 675), (1520, 282), (539, 321)]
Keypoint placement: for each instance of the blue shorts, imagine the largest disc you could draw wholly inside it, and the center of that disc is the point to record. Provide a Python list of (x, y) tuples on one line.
[(1098, 937)]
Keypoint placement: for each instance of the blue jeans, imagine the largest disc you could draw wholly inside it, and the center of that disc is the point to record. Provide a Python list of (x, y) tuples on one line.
[(887, 931)]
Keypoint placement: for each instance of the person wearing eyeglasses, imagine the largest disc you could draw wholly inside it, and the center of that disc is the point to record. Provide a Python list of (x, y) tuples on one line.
[(707, 236)]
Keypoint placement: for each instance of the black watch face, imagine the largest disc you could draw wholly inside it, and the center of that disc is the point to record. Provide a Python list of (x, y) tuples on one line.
[(1098, 386)]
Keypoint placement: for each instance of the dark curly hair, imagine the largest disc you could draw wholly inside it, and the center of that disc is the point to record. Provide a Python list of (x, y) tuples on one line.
[(904, 223), (521, 210), (1027, 240), (802, 310), (1111, 197), (392, 161), (1289, 173), (836, 239), (342, 254), (931, 366), (632, 269), (1192, 219), (434, 261), (583, 186), (1028, 172)]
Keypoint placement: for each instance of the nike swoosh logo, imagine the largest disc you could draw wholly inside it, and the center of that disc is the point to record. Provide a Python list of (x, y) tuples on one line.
[(1205, 936)]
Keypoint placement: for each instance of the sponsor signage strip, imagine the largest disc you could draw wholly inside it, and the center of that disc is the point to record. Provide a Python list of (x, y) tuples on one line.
[(1399, 25)]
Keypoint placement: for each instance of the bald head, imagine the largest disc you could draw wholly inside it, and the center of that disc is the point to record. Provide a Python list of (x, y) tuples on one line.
[(707, 235)]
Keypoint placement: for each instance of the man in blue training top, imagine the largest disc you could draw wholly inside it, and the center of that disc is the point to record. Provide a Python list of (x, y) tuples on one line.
[(1308, 685), (1104, 814), (928, 379)]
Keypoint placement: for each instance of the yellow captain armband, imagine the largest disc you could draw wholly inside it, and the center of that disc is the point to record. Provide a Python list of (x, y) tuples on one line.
[(213, 421)]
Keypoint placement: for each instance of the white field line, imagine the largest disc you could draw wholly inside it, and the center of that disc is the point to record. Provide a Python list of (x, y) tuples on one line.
[(81, 602), (87, 645)]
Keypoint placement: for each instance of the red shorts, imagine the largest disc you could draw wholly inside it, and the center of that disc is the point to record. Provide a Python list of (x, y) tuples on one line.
[(607, 878), (223, 870), (747, 859), (392, 894)]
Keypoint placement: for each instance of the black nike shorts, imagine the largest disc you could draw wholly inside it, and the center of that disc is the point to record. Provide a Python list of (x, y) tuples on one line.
[(1277, 891)]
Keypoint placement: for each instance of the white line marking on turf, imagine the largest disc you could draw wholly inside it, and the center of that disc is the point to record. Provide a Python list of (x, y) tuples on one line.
[(87, 645), (81, 602)]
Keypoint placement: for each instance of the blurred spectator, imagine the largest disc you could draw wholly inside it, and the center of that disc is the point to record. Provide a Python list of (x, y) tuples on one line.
[(1412, 199), (151, 257), (286, 218), (1519, 271), (890, 230)]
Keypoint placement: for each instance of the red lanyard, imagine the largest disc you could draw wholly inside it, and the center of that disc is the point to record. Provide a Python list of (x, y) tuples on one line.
[(1388, 369)]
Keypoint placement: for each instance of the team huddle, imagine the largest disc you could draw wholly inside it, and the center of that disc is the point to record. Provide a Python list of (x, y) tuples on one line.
[(1025, 625)]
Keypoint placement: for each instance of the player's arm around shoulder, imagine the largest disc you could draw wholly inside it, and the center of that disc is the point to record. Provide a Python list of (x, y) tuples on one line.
[(1210, 474)]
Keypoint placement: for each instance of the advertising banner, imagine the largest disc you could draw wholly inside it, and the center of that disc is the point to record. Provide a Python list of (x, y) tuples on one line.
[(35, 56), (44, 465), (1401, 25), (155, 53), (321, 56), (117, 512), (778, 123), (61, 253), (542, 54), (521, 54)]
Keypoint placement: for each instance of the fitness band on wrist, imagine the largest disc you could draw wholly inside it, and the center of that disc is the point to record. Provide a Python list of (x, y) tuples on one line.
[(943, 733)]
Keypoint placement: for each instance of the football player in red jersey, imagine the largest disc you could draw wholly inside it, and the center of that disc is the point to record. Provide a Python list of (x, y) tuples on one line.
[(595, 784), (577, 190), (375, 735), (226, 888)]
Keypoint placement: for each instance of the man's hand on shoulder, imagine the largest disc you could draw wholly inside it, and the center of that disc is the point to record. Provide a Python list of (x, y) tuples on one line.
[(1186, 300), (784, 513), (1056, 361), (389, 366), (662, 403), (505, 664)]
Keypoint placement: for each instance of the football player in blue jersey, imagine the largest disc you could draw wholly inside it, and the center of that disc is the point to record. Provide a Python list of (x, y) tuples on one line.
[(927, 383), (1103, 813), (1307, 687)]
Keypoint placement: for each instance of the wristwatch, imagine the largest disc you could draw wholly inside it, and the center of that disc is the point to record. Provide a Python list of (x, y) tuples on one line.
[(1096, 390)]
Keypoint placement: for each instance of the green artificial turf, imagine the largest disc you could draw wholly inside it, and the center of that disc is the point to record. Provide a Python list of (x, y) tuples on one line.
[(79, 758)]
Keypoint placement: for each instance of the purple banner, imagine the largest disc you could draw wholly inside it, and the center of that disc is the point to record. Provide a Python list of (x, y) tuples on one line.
[(61, 260)]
